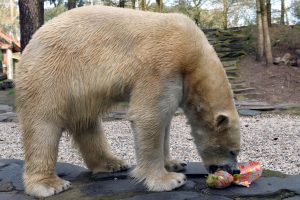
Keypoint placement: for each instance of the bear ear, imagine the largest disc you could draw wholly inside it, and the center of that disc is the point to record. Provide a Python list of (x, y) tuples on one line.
[(221, 122)]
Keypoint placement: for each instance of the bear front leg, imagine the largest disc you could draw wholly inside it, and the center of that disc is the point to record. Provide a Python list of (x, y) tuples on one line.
[(171, 165), (41, 141), (152, 106), (95, 150), (150, 158)]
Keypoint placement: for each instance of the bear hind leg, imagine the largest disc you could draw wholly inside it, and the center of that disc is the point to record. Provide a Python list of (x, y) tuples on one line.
[(95, 150), (41, 147)]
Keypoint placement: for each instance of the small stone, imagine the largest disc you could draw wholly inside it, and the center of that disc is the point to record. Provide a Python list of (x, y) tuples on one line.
[(277, 61), (286, 58)]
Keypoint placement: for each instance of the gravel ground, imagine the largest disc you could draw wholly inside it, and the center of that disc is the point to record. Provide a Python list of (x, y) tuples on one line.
[(274, 140)]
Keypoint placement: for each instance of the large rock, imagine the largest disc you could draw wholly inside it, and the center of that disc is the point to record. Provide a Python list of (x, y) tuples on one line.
[(119, 185)]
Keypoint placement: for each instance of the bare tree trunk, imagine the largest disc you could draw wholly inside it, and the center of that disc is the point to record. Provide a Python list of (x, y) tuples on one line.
[(260, 34), (133, 4), (282, 12), (269, 13), (225, 14), (31, 18), (159, 5), (267, 41), (122, 3), (143, 4), (71, 4), (286, 17)]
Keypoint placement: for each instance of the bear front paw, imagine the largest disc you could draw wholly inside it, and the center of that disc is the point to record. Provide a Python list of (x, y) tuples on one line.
[(175, 165)]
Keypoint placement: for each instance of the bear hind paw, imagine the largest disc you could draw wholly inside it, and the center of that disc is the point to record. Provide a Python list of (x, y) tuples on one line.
[(159, 181), (111, 164), (47, 189), (168, 182)]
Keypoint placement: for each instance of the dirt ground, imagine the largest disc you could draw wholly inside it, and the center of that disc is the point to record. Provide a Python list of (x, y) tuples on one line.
[(274, 84)]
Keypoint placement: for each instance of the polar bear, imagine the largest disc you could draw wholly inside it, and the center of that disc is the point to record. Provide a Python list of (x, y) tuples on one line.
[(88, 59)]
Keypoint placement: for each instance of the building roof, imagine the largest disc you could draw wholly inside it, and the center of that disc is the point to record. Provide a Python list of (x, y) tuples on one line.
[(7, 42)]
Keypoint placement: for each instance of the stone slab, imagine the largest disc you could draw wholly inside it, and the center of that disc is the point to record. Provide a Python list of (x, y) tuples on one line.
[(265, 186), (112, 187), (11, 171), (15, 196), (5, 108), (192, 170), (293, 198), (176, 195), (102, 176), (195, 170), (8, 117), (120, 186)]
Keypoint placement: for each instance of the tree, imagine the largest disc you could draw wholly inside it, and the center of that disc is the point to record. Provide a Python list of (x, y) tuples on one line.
[(31, 18), (159, 5), (71, 4), (50, 13), (263, 36), (266, 35), (296, 8), (9, 18), (260, 34), (197, 11), (225, 14), (282, 12), (56, 2), (133, 4), (269, 13), (143, 4), (122, 3)]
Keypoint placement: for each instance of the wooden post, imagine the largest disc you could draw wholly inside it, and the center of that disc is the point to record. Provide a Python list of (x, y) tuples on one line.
[(9, 65)]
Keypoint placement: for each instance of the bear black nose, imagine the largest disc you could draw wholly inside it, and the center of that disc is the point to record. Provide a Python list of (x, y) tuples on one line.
[(236, 171), (230, 170), (213, 168)]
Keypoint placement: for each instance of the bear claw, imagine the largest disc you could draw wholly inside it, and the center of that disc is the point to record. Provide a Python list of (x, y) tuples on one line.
[(175, 166)]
